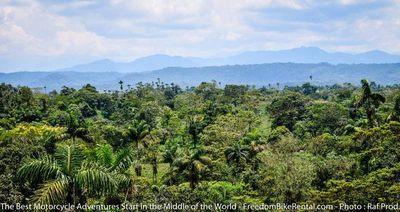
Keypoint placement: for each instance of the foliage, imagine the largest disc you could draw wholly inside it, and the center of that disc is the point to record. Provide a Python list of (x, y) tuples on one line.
[(159, 143), (287, 109)]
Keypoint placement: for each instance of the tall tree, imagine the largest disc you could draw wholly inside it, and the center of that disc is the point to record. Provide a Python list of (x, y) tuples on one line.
[(121, 85), (136, 133), (192, 165), (369, 101), (119, 163), (152, 142), (287, 109)]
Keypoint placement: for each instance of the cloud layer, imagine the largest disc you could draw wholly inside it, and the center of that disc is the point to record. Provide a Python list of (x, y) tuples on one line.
[(43, 35)]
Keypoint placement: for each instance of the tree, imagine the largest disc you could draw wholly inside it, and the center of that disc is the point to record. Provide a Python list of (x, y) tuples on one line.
[(369, 101), (233, 145), (66, 178), (151, 112), (191, 109), (16, 145), (308, 89), (66, 90), (137, 131), (76, 125), (195, 126), (114, 160), (119, 163), (323, 117), (286, 175), (208, 91), (151, 143), (235, 93), (395, 115), (121, 85), (8, 99), (192, 165), (170, 152), (376, 187), (287, 109), (236, 154)]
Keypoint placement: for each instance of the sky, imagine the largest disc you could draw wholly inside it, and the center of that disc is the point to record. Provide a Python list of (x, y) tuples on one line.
[(50, 34)]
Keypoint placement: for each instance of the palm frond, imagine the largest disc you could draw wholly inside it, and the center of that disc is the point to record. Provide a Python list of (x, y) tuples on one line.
[(39, 170), (105, 155), (70, 158), (122, 180), (52, 192), (95, 179), (377, 99), (123, 159)]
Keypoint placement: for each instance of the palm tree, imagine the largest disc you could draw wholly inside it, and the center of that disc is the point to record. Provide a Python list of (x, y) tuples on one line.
[(192, 165), (151, 143), (66, 178), (121, 85), (369, 101), (195, 126), (154, 165), (255, 148), (237, 153), (136, 133), (170, 153), (114, 161), (118, 163)]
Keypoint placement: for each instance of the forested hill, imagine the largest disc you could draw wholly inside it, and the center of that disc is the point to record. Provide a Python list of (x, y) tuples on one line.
[(259, 75)]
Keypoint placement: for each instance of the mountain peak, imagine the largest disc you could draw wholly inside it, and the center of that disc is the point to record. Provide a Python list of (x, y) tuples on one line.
[(102, 61), (308, 49), (375, 52), (303, 54)]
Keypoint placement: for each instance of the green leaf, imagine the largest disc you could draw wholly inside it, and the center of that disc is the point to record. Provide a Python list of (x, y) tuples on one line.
[(52, 192)]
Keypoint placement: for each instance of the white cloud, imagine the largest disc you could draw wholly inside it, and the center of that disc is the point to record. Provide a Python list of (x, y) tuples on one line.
[(126, 29), (31, 30)]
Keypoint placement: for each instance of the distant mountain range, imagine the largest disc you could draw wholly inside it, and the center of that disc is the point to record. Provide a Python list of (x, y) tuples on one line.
[(258, 75), (286, 67), (296, 55)]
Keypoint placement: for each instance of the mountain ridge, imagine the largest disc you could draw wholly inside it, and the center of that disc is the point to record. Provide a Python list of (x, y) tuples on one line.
[(255, 74), (313, 55)]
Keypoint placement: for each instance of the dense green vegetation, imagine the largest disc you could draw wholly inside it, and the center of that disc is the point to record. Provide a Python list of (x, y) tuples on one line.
[(158, 143)]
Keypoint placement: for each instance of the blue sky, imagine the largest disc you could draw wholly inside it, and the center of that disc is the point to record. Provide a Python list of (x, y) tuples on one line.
[(44, 35)]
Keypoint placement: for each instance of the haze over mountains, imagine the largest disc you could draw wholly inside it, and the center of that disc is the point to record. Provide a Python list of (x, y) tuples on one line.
[(260, 68), (258, 75), (296, 55)]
